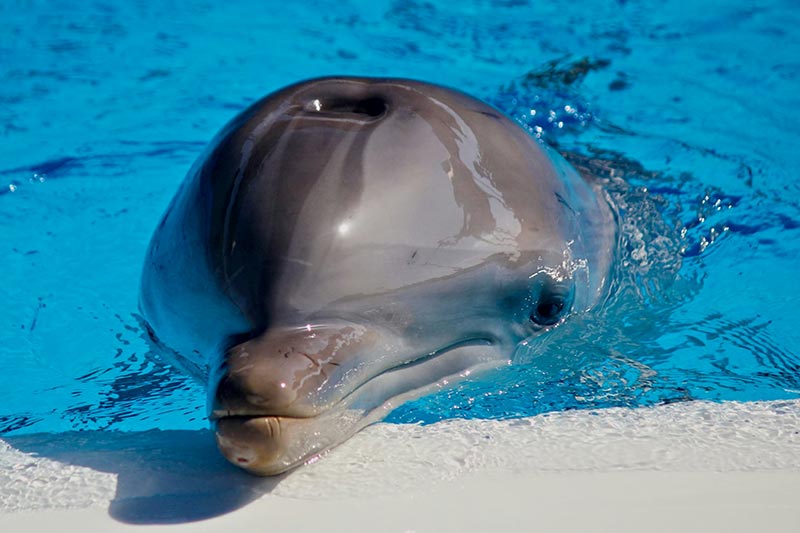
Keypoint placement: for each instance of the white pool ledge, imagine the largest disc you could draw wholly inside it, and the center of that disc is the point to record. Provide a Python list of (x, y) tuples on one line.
[(685, 467)]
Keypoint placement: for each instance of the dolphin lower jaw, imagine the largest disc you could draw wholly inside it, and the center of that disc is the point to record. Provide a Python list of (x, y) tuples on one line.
[(270, 444)]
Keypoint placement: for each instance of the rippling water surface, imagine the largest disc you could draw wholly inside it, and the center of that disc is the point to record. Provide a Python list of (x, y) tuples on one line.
[(688, 112)]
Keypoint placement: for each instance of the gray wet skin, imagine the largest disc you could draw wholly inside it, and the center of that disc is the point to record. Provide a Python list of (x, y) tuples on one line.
[(346, 244)]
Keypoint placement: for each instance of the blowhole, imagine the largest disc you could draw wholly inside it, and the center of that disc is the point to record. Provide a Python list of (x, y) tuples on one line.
[(372, 107)]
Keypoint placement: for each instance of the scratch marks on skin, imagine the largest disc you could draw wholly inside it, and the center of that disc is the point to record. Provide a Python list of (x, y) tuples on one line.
[(319, 363), (328, 354), (314, 362)]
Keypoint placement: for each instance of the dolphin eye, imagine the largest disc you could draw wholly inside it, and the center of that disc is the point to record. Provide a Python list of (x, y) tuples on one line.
[(549, 310)]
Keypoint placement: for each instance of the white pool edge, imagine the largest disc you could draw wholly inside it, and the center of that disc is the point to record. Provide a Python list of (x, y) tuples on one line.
[(696, 466)]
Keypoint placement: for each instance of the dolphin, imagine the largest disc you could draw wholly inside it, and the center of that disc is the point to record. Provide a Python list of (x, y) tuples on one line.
[(346, 244)]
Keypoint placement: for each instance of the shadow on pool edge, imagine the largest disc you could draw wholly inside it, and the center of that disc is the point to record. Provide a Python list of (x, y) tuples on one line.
[(163, 477)]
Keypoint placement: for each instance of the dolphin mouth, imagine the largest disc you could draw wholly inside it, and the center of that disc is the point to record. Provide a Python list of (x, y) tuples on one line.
[(268, 444)]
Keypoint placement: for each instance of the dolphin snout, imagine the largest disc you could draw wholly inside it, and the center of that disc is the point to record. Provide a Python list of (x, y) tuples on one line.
[(289, 394), (262, 379), (290, 372), (276, 393)]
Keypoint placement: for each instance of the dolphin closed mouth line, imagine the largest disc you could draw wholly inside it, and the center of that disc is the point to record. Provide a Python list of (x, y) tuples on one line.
[(478, 341), (429, 357)]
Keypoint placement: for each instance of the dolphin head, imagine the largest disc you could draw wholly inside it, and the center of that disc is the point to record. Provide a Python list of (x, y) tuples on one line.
[(373, 239)]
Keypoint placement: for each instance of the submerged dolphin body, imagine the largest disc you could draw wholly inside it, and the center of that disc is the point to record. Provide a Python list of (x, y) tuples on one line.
[(348, 243)]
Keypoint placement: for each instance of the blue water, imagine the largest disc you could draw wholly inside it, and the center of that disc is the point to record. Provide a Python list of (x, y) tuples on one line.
[(688, 110)]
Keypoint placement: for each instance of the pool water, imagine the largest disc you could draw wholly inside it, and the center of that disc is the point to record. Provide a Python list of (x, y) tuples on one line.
[(689, 112)]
